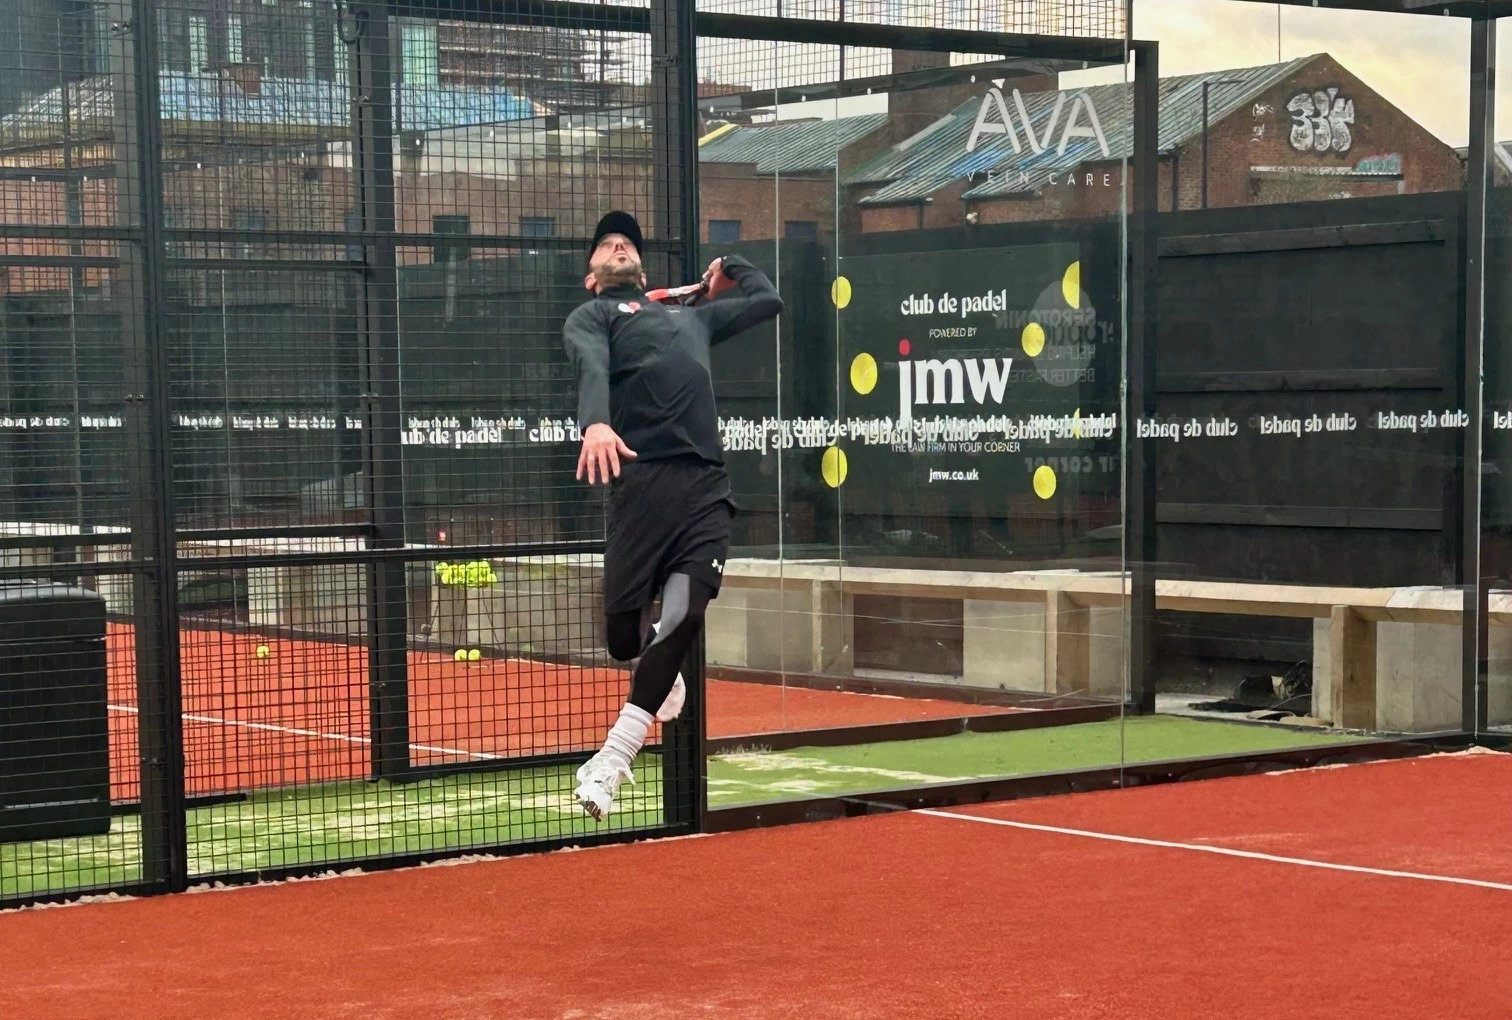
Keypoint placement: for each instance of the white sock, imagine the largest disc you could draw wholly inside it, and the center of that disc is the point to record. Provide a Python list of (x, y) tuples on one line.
[(628, 734)]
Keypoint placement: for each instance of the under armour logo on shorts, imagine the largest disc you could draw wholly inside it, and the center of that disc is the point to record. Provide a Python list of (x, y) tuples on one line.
[(718, 568)]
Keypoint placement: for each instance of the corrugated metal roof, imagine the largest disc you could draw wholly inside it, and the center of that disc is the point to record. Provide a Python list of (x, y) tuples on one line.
[(294, 102), (1502, 151), (789, 147), (938, 157)]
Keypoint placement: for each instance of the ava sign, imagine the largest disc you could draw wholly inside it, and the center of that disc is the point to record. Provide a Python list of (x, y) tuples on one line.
[(1005, 124)]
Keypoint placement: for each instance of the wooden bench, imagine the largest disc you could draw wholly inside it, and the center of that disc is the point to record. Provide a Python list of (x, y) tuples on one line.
[(1383, 658)]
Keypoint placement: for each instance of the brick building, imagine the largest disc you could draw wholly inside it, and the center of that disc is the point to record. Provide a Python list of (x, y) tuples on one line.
[(1302, 130), (240, 151), (44, 43), (246, 152), (777, 179)]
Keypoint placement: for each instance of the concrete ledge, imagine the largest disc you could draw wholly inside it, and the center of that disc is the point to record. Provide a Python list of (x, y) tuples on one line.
[(1384, 659)]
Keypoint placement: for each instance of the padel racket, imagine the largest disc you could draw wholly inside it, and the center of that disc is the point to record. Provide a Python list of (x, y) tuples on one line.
[(685, 295)]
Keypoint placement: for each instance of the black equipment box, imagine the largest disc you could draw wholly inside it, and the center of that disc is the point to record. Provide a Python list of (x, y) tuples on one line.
[(54, 724)]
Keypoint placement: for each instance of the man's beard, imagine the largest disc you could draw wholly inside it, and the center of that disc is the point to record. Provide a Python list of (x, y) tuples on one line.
[(621, 275)]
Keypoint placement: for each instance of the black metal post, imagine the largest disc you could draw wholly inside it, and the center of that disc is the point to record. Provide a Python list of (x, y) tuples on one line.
[(73, 209), (674, 147), (134, 62), (1205, 144), (1473, 572), (369, 26), (1140, 545)]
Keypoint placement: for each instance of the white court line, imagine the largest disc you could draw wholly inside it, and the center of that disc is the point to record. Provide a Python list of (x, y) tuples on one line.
[(1219, 850), (345, 738)]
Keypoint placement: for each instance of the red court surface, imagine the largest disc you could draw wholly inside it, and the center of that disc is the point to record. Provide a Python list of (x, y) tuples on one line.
[(916, 915), (300, 714)]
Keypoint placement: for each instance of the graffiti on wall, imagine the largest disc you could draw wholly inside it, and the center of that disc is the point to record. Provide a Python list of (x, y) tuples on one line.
[(1386, 163), (1260, 111), (1321, 120)]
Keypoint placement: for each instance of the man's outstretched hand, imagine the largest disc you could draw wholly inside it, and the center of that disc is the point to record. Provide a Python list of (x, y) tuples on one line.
[(602, 452)]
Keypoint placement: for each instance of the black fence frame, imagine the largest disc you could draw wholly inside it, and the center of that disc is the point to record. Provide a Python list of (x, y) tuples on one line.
[(143, 262), (674, 27)]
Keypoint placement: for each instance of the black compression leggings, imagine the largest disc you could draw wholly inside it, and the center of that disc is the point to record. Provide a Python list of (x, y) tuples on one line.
[(663, 650)]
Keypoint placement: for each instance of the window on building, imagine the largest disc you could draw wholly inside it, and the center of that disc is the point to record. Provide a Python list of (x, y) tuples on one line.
[(173, 219), (309, 48), (538, 226), (233, 38), (422, 54), (338, 55), (171, 49), (724, 231), (350, 221), (452, 251), (801, 230), (246, 219), (199, 46), (104, 39)]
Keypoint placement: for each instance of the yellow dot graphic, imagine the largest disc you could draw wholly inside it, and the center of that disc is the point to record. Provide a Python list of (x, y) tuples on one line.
[(864, 374), (1033, 339), (1044, 481), (1071, 285), (840, 292), (833, 467)]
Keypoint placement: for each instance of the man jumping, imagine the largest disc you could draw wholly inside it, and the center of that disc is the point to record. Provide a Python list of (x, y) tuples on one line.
[(646, 411)]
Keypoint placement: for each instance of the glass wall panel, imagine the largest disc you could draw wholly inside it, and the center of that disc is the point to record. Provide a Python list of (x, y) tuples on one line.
[(926, 581), (1310, 426)]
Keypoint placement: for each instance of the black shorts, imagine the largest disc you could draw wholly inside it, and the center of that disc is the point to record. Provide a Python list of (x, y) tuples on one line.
[(665, 517)]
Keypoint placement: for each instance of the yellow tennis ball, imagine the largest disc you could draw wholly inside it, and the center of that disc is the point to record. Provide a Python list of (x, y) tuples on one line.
[(863, 374), (262, 651), (1033, 339), (460, 655), (1044, 481), (474, 655), (840, 292), (834, 467), (1071, 285)]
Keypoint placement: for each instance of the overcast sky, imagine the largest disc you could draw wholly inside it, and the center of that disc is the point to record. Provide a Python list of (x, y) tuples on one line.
[(1419, 63)]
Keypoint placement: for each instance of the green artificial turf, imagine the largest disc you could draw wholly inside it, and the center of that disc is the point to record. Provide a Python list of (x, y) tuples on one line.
[(822, 771), (338, 822), (343, 822)]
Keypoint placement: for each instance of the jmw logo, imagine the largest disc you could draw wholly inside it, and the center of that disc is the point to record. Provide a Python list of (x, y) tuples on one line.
[(940, 382), (993, 103)]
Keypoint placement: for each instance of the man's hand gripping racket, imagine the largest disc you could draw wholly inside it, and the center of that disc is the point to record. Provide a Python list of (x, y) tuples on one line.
[(714, 283)]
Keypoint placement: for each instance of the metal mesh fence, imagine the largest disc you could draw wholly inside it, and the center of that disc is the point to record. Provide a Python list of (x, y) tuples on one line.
[(287, 423), (294, 571)]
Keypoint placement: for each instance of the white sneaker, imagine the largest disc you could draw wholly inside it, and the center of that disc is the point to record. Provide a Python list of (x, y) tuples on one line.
[(599, 780), (673, 706)]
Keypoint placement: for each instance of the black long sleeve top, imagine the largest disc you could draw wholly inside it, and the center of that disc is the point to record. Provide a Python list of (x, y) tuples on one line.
[(643, 367)]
